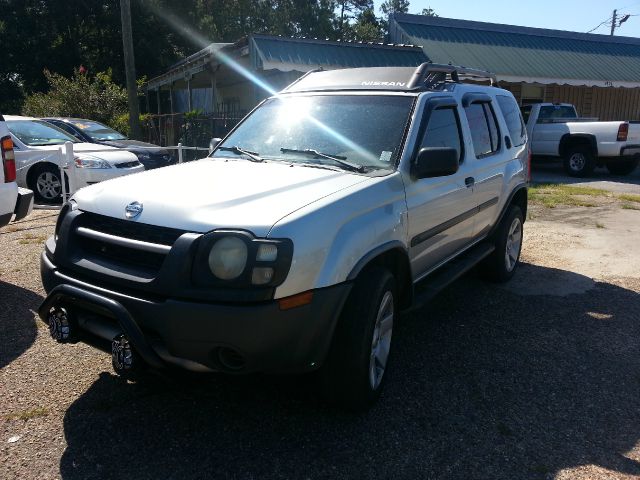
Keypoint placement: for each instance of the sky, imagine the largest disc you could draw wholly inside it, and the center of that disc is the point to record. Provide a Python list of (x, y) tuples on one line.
[(574, 15)]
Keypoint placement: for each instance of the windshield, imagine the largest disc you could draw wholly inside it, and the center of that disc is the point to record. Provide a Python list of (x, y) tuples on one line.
[(362, 130), (37, 133), (97, 131)]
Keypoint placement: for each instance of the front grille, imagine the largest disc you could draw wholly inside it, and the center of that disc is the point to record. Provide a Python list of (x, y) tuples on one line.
[(147, 263), (128, 164), (130, 229)]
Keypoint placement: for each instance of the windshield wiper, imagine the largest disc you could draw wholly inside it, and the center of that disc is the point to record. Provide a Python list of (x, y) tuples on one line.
[(316, 154), (253, 156)]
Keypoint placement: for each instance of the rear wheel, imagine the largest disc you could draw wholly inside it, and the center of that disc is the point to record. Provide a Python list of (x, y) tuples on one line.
[(623, 167), (354, 372), (502, 263), (579, 162)]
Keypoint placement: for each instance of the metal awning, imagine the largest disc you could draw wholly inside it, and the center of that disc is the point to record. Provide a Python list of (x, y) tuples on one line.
[(523, 54)]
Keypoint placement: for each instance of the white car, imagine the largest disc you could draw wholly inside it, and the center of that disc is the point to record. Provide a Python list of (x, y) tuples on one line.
[(583, 144), (13, 200), (36, 145)]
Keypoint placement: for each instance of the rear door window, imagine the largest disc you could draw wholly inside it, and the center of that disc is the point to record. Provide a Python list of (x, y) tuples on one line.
[(484, 129), (513, 119)]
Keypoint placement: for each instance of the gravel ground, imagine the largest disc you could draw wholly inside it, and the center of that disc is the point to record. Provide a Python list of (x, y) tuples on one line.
[(487, 382)]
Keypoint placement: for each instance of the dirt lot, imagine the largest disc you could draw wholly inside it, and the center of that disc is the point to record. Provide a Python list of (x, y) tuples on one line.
[(536, 379)]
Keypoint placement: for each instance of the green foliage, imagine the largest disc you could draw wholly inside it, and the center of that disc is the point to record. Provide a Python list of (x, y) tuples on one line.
[(394, 6), (429, 12), (367, 27), (62, 36), (83, 96)]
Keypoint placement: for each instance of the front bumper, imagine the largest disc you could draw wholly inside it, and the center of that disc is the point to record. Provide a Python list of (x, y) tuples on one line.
[(192, 334)]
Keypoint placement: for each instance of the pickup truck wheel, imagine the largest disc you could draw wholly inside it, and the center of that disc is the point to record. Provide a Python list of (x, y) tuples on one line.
[(624, 167), (46, 184), (353, 374), (579, 162), (501, 264)]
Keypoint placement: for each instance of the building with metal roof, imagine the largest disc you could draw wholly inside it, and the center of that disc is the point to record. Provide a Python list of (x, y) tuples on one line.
[(243, 73), (600, 74)]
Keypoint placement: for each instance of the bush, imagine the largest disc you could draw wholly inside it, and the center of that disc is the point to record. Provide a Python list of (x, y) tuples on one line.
[(82, 96), (121, 124)]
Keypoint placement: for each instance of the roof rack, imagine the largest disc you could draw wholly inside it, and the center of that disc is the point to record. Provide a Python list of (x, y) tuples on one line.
[(428, 75)]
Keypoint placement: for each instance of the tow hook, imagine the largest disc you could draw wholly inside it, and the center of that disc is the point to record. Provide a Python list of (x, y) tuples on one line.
[(60, 325), (123, 358)]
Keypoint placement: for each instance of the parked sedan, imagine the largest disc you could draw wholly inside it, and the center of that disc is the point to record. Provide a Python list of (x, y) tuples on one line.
[(95, 132), (36, 144)]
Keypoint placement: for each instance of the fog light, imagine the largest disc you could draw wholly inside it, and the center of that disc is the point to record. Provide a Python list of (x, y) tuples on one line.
[(261, 276), (267, 253)]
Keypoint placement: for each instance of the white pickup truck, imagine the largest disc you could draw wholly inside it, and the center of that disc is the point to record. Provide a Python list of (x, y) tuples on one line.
[(556, 130)]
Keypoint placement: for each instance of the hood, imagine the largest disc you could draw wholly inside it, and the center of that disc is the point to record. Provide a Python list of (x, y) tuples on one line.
[(216, 193), (109, 154)]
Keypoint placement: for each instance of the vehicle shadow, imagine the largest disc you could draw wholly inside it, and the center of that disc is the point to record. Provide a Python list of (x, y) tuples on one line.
[(485, 383), (17, 321), (551, 171)]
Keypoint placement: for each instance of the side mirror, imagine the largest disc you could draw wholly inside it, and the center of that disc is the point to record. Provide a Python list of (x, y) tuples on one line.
[(435, 162), (214, 143)]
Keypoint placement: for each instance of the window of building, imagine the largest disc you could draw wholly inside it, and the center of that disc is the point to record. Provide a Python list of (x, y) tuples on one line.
[(532, 94)]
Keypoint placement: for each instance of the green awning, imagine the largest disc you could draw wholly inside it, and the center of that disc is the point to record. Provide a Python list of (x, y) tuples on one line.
[(524, 54)]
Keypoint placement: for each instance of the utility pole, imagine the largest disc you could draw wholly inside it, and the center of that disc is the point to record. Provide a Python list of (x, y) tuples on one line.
[(130, 69), (613, 22)]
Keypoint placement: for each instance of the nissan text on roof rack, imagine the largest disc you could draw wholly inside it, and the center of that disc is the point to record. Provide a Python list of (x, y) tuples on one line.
[(350, 196), (582, 143), (15, 202), (36, 144)]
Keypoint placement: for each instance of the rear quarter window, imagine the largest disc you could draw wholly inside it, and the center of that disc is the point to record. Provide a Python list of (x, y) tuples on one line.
[(513, 119)]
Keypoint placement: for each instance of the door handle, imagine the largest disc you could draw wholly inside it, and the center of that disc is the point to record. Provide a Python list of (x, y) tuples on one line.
[(469, 181)]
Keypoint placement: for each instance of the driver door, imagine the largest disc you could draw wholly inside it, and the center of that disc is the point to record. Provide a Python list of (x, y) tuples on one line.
[(440, 209)]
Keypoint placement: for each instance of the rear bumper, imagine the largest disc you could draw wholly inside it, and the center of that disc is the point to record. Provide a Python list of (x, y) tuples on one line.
[(193, 334), (24, 204), (630, 151)]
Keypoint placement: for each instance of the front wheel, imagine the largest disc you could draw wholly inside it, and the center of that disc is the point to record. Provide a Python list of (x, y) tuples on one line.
[(501, 264), (46, 184), (623, 167), (353, 374), (579, 162)]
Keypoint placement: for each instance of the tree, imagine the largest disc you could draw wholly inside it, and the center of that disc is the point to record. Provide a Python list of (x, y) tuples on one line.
[(82, 95), (390, 7), (367, 27), (350, 10), (394, 6), (429, 12)]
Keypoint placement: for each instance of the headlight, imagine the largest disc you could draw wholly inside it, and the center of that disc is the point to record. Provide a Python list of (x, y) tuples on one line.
[(237, 259), (89, 161), (228, 258), (143, 156)]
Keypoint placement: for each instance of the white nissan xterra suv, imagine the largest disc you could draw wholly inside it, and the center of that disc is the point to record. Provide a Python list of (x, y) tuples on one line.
[(343, 200), (13, 200)]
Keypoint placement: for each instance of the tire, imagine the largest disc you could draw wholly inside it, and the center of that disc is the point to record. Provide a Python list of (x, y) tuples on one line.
[(353, 374), (623, 167), (579, 162), (46, 184), (501, 265)]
